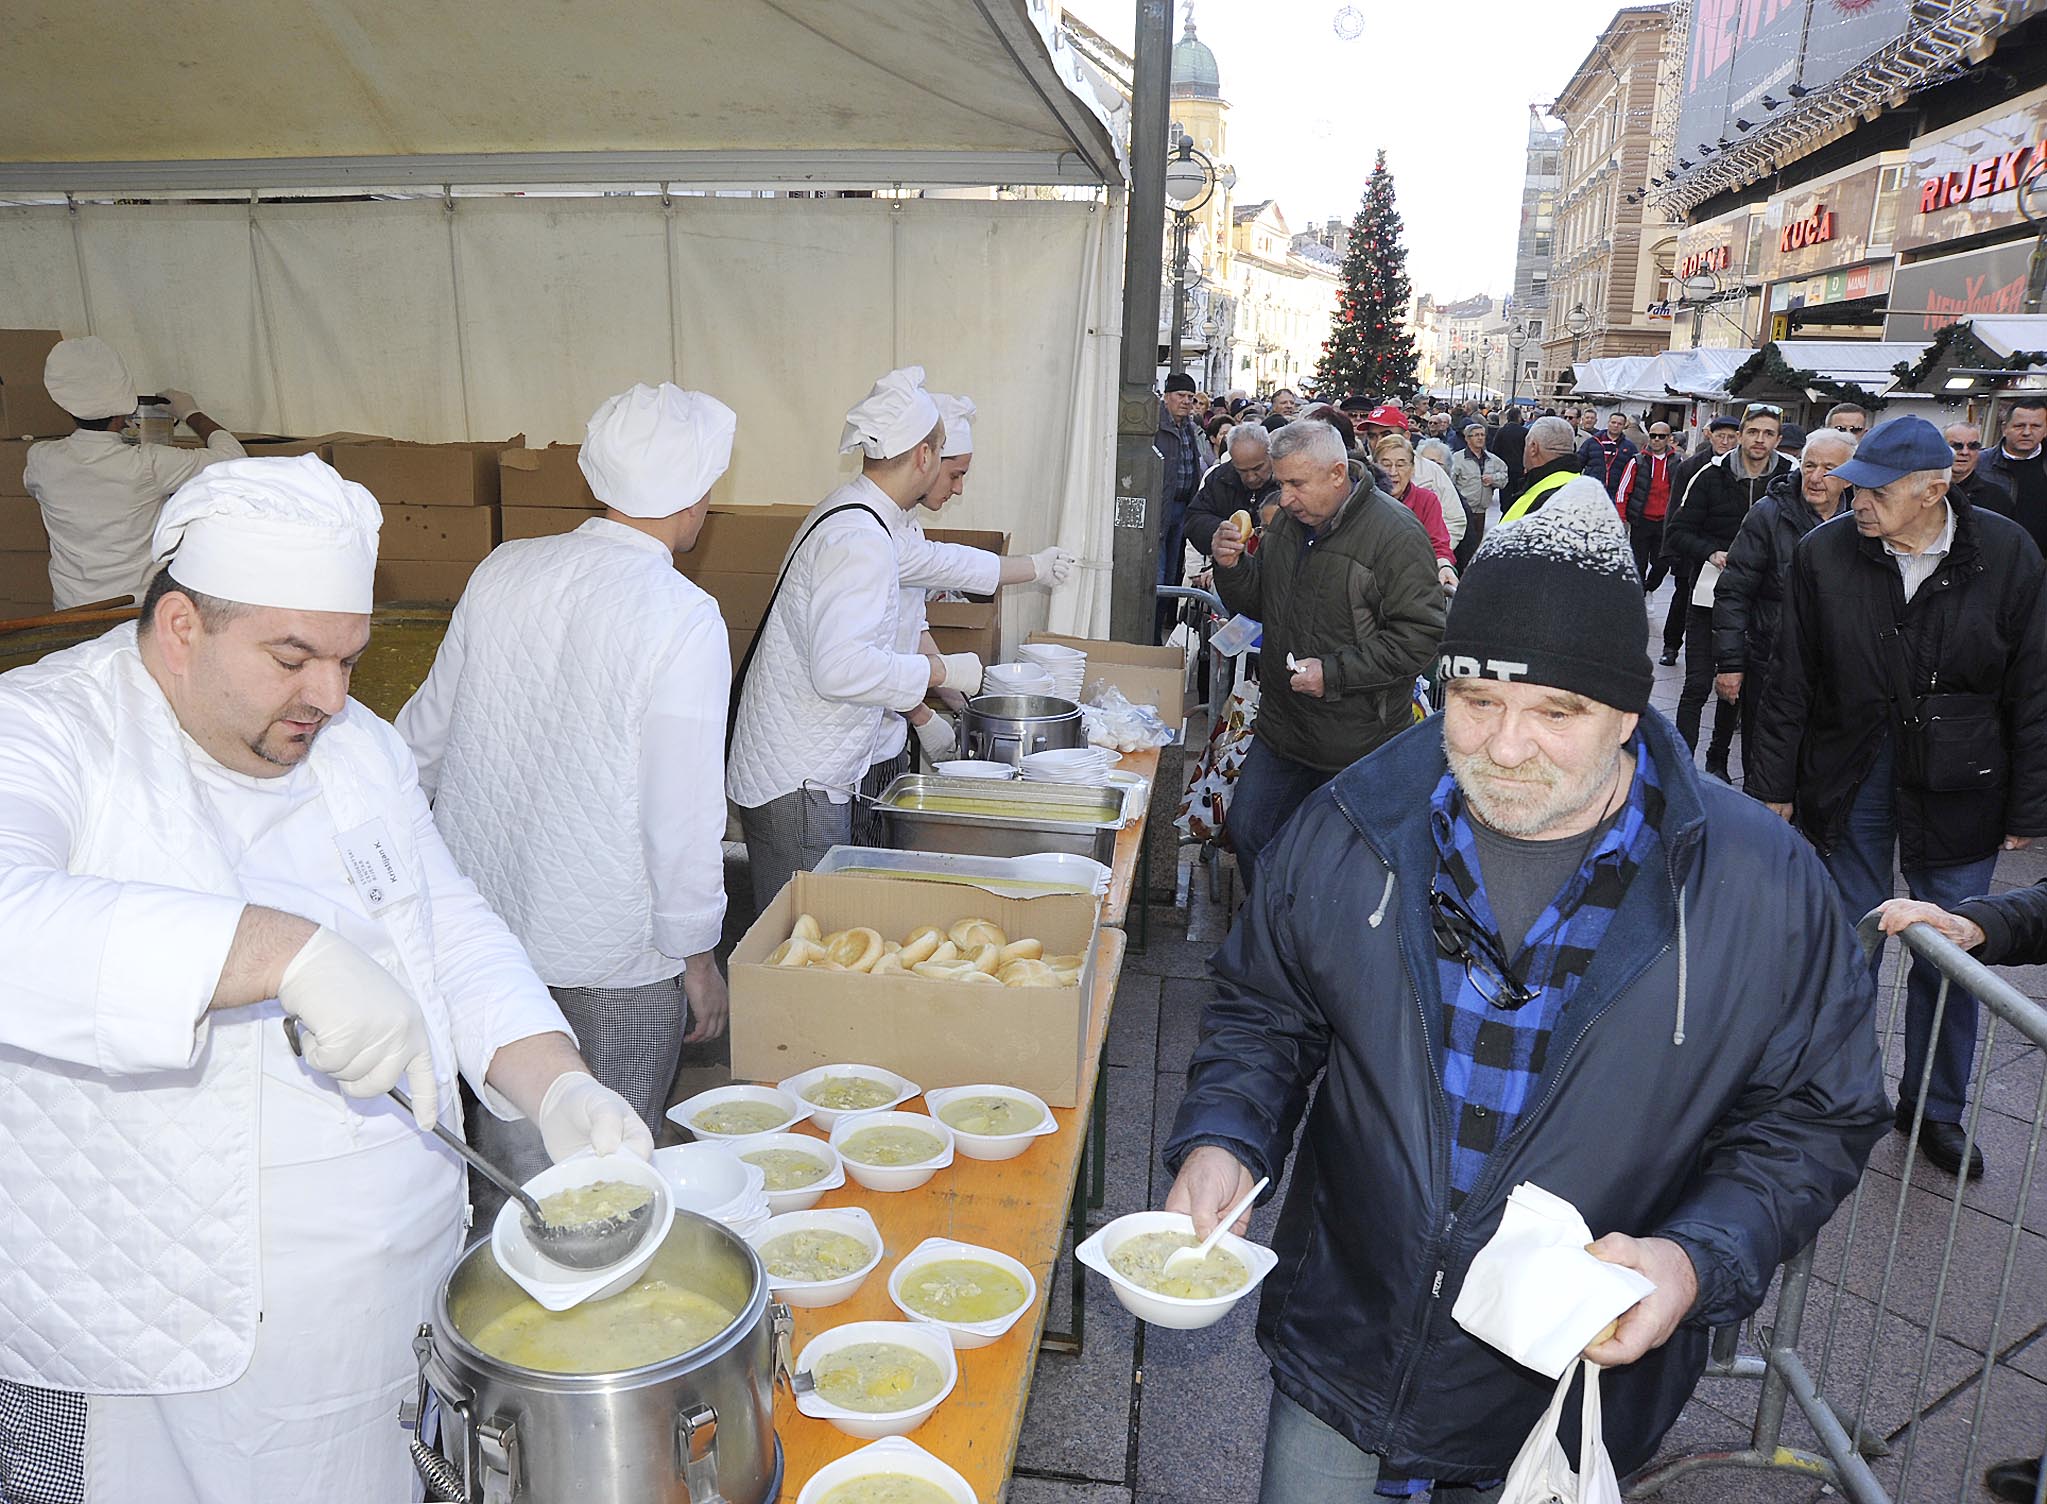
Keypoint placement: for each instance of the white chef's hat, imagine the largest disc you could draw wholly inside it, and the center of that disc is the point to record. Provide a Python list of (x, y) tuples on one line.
[(273, 532), (85, 377), (893, 419), (959, 414), (655, 451)]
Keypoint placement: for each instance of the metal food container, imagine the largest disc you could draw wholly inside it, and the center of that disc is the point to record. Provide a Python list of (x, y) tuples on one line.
[(920, 813), (693, 1428), (1008, 728)]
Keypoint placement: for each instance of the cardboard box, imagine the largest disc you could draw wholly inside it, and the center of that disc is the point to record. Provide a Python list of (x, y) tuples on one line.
[(973, 625), (13, 460), (25, 577), (547, 477), (539, 522), (423, 475), (21, 526), (742, 598), (443, 534), (270, 446), (434, 582), (1147, 676), (786, 1020), (743, 540), (26, 410)]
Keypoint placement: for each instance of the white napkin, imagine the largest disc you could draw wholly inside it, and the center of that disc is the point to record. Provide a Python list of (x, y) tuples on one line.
[(1535, 1293), (1708, 583)]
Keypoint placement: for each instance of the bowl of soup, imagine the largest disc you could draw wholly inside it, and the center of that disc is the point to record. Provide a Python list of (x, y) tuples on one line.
[(796, 1169), (725, 1113), (991, 1122), (581, 1184), (892, 1151), (974, 1294), (832, 1092), (894, 1470), (877, 1378), (1131, 1252), (818, 1258)]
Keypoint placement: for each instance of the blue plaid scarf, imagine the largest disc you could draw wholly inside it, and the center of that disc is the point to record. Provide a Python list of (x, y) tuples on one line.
[(1491, 1057)]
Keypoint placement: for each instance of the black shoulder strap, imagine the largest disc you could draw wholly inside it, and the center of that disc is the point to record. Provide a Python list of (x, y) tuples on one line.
[(746, 659)]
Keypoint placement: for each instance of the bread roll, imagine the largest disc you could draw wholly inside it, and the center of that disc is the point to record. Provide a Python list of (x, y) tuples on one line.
[(1023, 950), (919, 944), (806, 929), (796, 952), (1241, 521), (971, 934), (856, 949), (1028, 974)]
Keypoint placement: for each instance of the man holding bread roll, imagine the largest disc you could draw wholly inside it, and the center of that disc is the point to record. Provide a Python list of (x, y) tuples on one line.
[(1239, 488), (1524, 941)]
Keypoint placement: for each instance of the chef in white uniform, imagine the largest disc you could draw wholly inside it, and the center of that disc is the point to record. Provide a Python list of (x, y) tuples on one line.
[(99, 494), (572, 738), (216, 1253), (828, 662), (924, 566)]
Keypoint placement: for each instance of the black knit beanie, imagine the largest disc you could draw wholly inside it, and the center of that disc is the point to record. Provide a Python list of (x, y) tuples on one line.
[(1553, 599)]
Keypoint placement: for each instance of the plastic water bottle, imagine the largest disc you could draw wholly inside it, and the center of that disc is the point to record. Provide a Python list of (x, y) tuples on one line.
[(153, 421)]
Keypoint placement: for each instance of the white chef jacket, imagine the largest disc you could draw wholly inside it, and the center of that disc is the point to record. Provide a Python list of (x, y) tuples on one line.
[(126, 855), (100, 496), (923, 566), (828, 664), (572, 737)]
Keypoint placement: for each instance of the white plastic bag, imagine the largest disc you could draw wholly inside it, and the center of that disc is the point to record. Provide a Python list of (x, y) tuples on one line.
[(1542, 1474)]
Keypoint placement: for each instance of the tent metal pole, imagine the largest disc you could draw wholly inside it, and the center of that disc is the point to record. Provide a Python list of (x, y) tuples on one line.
[(1133, 601)]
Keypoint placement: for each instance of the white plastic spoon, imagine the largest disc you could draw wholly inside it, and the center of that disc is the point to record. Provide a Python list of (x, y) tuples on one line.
[(1188, 1258)]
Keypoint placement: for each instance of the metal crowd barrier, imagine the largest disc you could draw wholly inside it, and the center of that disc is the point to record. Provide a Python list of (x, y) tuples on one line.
[(1892, 1395), (1222, 675)]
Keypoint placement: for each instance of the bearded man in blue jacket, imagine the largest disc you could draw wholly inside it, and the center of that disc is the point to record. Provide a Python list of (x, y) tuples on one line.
[(1524, 941)]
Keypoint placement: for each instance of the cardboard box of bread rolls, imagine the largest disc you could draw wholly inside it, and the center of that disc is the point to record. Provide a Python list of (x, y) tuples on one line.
[(937, 1032)]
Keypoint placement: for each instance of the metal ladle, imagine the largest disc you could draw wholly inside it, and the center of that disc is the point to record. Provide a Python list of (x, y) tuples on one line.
[(599, 1244)]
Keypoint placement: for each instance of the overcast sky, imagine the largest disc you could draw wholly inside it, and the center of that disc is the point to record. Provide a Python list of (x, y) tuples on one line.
[(1444, 88)]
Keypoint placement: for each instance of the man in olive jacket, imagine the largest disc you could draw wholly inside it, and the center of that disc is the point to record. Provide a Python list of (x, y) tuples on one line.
[(1344, 581)]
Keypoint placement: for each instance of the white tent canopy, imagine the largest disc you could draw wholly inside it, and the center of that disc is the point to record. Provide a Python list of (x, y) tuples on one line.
[(1699, 374), (487, 314), (1613, 376)]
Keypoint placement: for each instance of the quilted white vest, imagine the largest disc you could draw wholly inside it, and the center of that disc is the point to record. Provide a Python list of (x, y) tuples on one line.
[(129, 1263), (539, 794)]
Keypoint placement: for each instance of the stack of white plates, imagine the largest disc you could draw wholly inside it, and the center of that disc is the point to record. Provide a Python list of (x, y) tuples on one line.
[(1067, 666), (974, 767), (713, 1181), (1016, 679), (1089, 765)]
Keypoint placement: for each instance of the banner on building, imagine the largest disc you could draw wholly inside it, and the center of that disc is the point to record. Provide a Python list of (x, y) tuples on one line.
[(1741, 50), (1927, 296)]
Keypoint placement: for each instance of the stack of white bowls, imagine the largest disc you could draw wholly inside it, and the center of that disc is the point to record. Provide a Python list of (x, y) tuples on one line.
[(1088, 765), (1067, 666), (711, 1180), (1016, 679)]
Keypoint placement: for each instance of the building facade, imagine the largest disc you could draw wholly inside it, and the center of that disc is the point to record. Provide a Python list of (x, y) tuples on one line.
[(1285, 288), (1604, 271), (1534, 250)]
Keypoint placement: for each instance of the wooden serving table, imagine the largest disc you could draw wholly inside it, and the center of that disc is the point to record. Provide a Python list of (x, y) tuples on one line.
[(1130, 870), (1018, 1206)]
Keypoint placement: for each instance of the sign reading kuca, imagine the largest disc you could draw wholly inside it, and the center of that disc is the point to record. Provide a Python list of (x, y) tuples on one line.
[(1966, 179), (1813, 229)]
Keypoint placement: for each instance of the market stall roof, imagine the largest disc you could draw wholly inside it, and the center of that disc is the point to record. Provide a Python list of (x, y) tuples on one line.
[(254, 94), (1610, 376), (1845, 370), (2003, 352), (1700, 373)]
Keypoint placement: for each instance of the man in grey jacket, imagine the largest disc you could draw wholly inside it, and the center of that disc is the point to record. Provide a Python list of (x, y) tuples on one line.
[(1478, 477)]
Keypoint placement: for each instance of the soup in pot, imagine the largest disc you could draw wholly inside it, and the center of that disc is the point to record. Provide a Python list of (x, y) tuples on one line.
[(652, 1321)]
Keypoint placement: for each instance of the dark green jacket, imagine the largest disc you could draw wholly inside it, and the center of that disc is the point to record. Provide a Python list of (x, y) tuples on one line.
[(1364, 598)]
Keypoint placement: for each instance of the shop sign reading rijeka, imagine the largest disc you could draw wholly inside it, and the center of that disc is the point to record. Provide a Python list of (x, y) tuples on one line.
[(1966, 180)]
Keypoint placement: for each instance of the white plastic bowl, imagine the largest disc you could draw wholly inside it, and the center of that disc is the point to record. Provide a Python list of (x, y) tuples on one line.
[(803, 1198), (871, 1425), (892, 1454), (974, 767), (893, 1177), (705, 1178), (793, 1110), (963, 1333), (853, 1221), (991, 1146), (553, 1286), (827, 1118), (1051, 653), (1171, 1310)]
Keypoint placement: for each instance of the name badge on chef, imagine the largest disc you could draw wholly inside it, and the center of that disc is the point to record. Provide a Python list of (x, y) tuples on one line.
[(371, 860)]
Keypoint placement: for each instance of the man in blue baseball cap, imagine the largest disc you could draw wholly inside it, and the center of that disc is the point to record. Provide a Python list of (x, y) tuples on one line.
[(1921, 617)]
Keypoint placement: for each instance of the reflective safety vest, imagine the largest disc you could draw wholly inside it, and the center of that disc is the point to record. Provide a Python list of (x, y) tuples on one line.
[(1536, 494)]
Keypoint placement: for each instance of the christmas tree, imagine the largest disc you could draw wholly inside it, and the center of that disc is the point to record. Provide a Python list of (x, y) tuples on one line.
[(1369, 350)]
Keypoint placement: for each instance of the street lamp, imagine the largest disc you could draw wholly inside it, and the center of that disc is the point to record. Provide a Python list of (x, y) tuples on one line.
[(1190, 184), (1576, 322), (1516, 339)]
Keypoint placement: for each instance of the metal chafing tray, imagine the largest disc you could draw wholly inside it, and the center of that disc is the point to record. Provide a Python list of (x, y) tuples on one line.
[(921, 812)]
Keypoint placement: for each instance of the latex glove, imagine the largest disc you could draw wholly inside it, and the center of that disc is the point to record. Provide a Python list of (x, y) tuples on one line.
[(936, 737), (962, 672), (1053, 564), (358, 1024), (579, 1112), (182, 405)]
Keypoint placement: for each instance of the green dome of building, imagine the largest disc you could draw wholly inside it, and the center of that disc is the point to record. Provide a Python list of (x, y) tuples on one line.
[(1194, 70)]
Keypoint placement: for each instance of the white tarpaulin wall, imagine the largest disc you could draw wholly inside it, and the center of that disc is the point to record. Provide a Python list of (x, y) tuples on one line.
[(511, 314)]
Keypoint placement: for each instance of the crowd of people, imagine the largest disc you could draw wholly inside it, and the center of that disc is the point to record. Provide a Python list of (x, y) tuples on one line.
[(1439, 918)]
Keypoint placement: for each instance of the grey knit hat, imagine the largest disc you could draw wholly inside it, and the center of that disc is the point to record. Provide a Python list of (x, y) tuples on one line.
[(1553, 599)]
